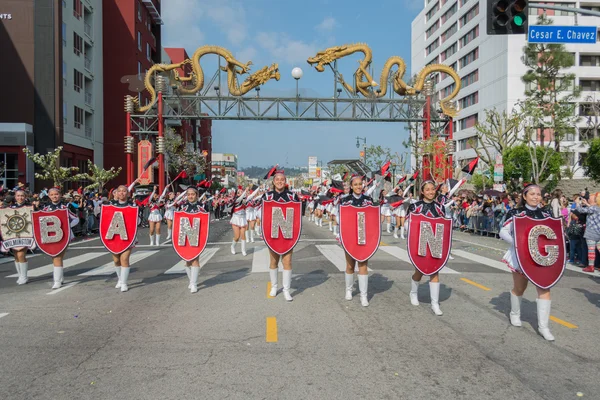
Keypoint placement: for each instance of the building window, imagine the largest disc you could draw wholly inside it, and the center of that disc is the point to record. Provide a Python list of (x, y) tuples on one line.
[(589, 60), (470, 79), (139, 37), (77, 80), (77, 44), (434, 45), (451, 11), (139, 70), (77, 117), (463, 2), (64, 34), (449, 32), (432, 29), (468, 122), (470, 36), (469, 100), (469, 15), (434, 60), (432, 11), (148, 52), (139, 10), (448, 89), (449, 52), (469, 58), (77, 9)]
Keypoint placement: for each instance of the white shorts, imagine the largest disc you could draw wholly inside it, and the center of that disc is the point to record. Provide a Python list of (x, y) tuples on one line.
[(239, 219)]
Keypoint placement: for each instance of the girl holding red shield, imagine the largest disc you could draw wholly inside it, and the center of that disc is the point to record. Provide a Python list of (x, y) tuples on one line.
[(531, 198), (121, 260), (431, 208), (20, 253), (192, 206)]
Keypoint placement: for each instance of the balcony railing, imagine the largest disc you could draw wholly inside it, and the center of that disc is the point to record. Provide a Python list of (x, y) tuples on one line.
[(88, 99), (88, 64), (88, 131), (88, 30)]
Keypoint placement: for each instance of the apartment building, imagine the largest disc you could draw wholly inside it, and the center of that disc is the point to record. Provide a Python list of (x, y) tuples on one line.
[(453, 32)]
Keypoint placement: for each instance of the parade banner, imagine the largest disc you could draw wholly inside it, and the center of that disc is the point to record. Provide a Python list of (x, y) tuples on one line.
[(118, 227), (190, 234), (540, 248), (282, 224), (16, 229), (52, 231), (360, 231), (429, 242)]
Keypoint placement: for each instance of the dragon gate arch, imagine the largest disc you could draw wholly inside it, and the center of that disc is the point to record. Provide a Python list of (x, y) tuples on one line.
[(177, 95)]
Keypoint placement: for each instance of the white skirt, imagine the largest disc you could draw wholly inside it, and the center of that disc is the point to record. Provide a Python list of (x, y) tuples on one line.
[(321, 207), (311, 205), (400, 212), (239, 219), (250, 214), (170, 213), (257, 212), (155, 216), (386, 211)]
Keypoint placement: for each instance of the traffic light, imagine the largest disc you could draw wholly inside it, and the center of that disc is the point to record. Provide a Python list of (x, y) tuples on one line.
[(506, 17)]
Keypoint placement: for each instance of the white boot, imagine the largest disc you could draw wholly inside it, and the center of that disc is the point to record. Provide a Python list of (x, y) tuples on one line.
[(330, 226), (349, 286), (118, 271), (124, 278), (434, 292), (151, 240), (24, 267), (273, 276), (515, 309), (169, 233), (246, 236), (389, 228), (18, 267), (252, 235), (543, 312), (287, 282), (396, 233), (243, 248), (188, 272), (402, 233), (335, 230), (58, 277), (321, 222), (414, 289), (195, 271), (157, 239), (363, 286), (233, 247)]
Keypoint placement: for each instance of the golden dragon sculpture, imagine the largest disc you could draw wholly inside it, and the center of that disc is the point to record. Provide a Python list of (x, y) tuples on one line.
[(195, 81), (364, 81)]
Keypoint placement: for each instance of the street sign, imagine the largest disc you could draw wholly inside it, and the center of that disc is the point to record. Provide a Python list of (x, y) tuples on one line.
[(562, 34), (498, 169)]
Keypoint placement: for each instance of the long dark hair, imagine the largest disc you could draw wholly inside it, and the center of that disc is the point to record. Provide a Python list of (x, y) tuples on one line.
[(521, 203), (425, 183)]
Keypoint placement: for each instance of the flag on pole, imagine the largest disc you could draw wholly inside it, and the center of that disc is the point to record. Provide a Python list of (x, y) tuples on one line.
[(469, 169)]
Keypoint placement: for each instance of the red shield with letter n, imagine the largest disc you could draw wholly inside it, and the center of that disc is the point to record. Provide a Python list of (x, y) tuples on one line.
[(190, 234), (429, 241), (360, 231), (540, 248), (51, 230), (282, 224), (118, 227)]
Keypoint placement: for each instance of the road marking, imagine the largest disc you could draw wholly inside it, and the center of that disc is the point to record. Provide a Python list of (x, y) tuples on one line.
[(84, 241), (563, 323), (67, 286), (271, 330), (261, 260), (402, 255), (4, 314), (482, 260), (477, 244), (335, 254), (383, 244), (206, 255), (10, 259), (470, 282), (580, 270), (69, 262), (109, 268), (269, 291)]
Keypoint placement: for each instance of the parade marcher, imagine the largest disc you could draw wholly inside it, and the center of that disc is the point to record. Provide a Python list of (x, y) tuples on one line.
[(155, 217), (280, 194), (238, 221), (386, 211), (20, 253), (251, 218), (169, 211), (531, 197)]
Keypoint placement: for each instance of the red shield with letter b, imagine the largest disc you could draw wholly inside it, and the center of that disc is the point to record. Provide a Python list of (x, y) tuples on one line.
[(540, 248), (51, 231), (282, 224), (190, 234), (360, 231), (429, 241), (118, 227)]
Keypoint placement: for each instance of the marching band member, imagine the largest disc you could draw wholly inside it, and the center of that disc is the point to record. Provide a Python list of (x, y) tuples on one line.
[(155, 218), (531, 198), (251, 218), (280, 193), (121, 260), (169, 211), (55, 204), (357, 199), (386, 211), (238, 221), (431, 208), (192, 206), (20, 253)]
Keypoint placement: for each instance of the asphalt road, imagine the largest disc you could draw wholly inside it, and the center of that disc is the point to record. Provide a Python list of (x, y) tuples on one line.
[(229, 340)]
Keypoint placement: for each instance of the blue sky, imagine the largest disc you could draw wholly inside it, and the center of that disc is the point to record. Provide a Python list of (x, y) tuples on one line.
[(287, 32)]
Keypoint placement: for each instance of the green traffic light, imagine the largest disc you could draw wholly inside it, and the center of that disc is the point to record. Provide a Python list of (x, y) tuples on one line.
[(519, 20)]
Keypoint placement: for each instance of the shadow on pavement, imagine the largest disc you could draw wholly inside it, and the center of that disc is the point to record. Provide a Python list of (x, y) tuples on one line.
[(225, 277), (528, 309), (378, 284), (306, 281), (425, 297), (593, 298)]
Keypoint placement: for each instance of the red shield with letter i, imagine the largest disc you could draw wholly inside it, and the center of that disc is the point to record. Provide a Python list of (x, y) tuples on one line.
[(190, 234), (540, 248), (360, 231), (51, 230), (429, 241), (282, 224), (118, 227)]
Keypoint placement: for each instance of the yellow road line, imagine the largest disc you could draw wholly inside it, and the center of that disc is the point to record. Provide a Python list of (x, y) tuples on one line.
[(475, 284), (563, 323), (271, 330), (269, 291), (383, 244)]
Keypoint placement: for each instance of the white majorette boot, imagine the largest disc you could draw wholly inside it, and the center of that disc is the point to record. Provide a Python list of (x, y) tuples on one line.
[(321, 222), (402, 233), (363, 287), (414, 289), (515, 309), (434, 292), (243, 248), (124, 277), (169, 233), (273, 275), (188, 272), (157, 239), (349, 286), (18, 267), (24, 267), (194, 281), (118, 271), (330, 226), (247, 237), (287, 282), (252, 235), (396, 233), (58, 277), (335, 230), (543, 312), (389, 227), (233, 242), (151, 240)]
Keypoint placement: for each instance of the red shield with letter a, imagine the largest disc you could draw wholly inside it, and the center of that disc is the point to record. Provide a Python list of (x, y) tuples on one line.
[(51, 230), (540, 248), (282, 224), (429, 241), (190, 233), (360, 231), (118, 227)]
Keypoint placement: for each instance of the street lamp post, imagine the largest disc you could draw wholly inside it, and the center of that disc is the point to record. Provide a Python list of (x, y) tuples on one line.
[(358, 139), (297, 74)]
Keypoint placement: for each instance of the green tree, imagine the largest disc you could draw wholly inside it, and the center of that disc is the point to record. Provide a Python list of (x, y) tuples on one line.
[(99, 176), (591, 163), (181, 158), (376, 156), (537, 164), (49, 164), (481, 181), (497, 133)]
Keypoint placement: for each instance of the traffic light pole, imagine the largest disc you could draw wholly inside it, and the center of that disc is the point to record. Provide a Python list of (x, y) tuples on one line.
[(581, 11)]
